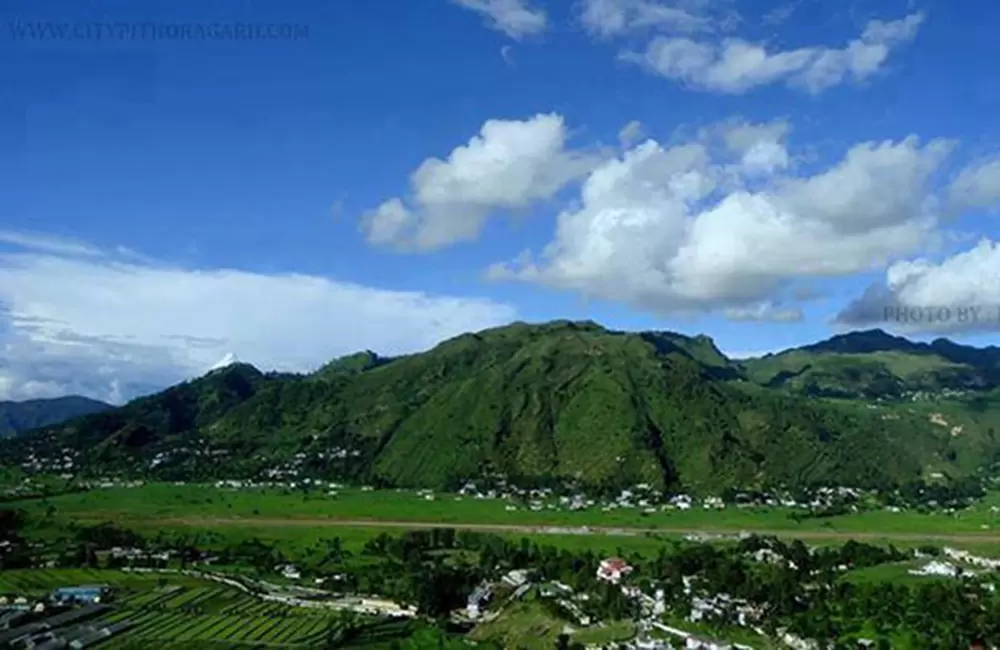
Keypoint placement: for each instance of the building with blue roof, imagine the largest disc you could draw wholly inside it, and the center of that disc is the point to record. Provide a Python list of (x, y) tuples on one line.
[(88, 594)]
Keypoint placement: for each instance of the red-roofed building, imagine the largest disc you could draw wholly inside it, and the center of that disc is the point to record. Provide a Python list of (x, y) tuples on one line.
[(613, 569)]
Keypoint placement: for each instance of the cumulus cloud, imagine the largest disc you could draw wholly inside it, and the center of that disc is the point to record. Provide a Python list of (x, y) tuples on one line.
[(955, 294), (110, 327), (511, 164), (733, 65), (876, 184), (515, 18), (959, 293), (721, 223)]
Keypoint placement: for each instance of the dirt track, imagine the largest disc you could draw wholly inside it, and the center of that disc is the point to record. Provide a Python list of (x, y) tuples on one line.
[(209, 522)]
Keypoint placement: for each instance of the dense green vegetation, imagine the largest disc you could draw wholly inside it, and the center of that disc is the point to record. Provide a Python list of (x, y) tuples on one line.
[(560, 400), (16, 417)]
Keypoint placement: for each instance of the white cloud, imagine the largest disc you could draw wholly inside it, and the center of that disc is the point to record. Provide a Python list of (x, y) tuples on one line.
[(607, 18), (717, 224), (876, 184), (630, 133), (761, 147), (110, 329), (511, 164), (977, 186), (733, 65), (515, 18), (959, 293)]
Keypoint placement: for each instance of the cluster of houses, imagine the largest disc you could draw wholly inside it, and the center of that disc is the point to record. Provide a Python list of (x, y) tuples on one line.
[(951, 567), (651, 500), (165, 458), (306, 483), (131, 555), (293, 469), (107, 483), (486, 602), (61, 462), (488, 599)]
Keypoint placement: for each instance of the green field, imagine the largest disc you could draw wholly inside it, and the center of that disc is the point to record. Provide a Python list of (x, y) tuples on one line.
[(200, 504)]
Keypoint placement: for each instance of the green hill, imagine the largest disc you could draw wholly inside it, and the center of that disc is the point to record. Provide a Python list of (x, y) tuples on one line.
[(536, 402), (873, 364), (16, 417)]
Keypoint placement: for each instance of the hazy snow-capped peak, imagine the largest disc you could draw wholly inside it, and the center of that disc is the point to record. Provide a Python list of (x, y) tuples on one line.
[(227, 360)]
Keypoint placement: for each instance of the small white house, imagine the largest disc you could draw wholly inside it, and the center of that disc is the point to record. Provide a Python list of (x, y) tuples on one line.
[(290, 572), (613, 569), (516, 578)]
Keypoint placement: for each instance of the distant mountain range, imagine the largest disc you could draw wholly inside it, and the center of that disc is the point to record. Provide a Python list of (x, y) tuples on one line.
[(571, 400), (874, 364), (16, 417)]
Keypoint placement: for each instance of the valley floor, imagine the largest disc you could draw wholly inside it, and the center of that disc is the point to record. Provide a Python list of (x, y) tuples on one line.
[(281, 513)]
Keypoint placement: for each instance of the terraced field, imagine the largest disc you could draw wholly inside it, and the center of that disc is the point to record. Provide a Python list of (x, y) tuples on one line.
[(189, 613), (38, 582)]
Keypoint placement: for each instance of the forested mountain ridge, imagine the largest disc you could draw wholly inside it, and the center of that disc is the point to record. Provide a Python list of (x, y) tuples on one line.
[(874, 364), (560, 400), (16, 417)]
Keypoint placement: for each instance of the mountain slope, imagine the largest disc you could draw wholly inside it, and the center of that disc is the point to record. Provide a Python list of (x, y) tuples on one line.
[(536, 402), (874, 364), (145, 422), (16, 417)]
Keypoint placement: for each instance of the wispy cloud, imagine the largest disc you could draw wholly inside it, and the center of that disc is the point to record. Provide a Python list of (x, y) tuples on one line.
[(48, 243), (515, 18)]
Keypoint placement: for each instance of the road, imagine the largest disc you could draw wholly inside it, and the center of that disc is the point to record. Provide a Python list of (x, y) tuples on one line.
[(211, 522)]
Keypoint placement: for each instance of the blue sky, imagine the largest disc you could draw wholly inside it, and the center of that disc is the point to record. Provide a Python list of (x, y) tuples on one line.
[(170, 201)]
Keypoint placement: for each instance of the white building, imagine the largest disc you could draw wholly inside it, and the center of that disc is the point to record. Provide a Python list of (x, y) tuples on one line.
[(290, 572), (936, 568), (613, 570), (476, 600), (516, 578)]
